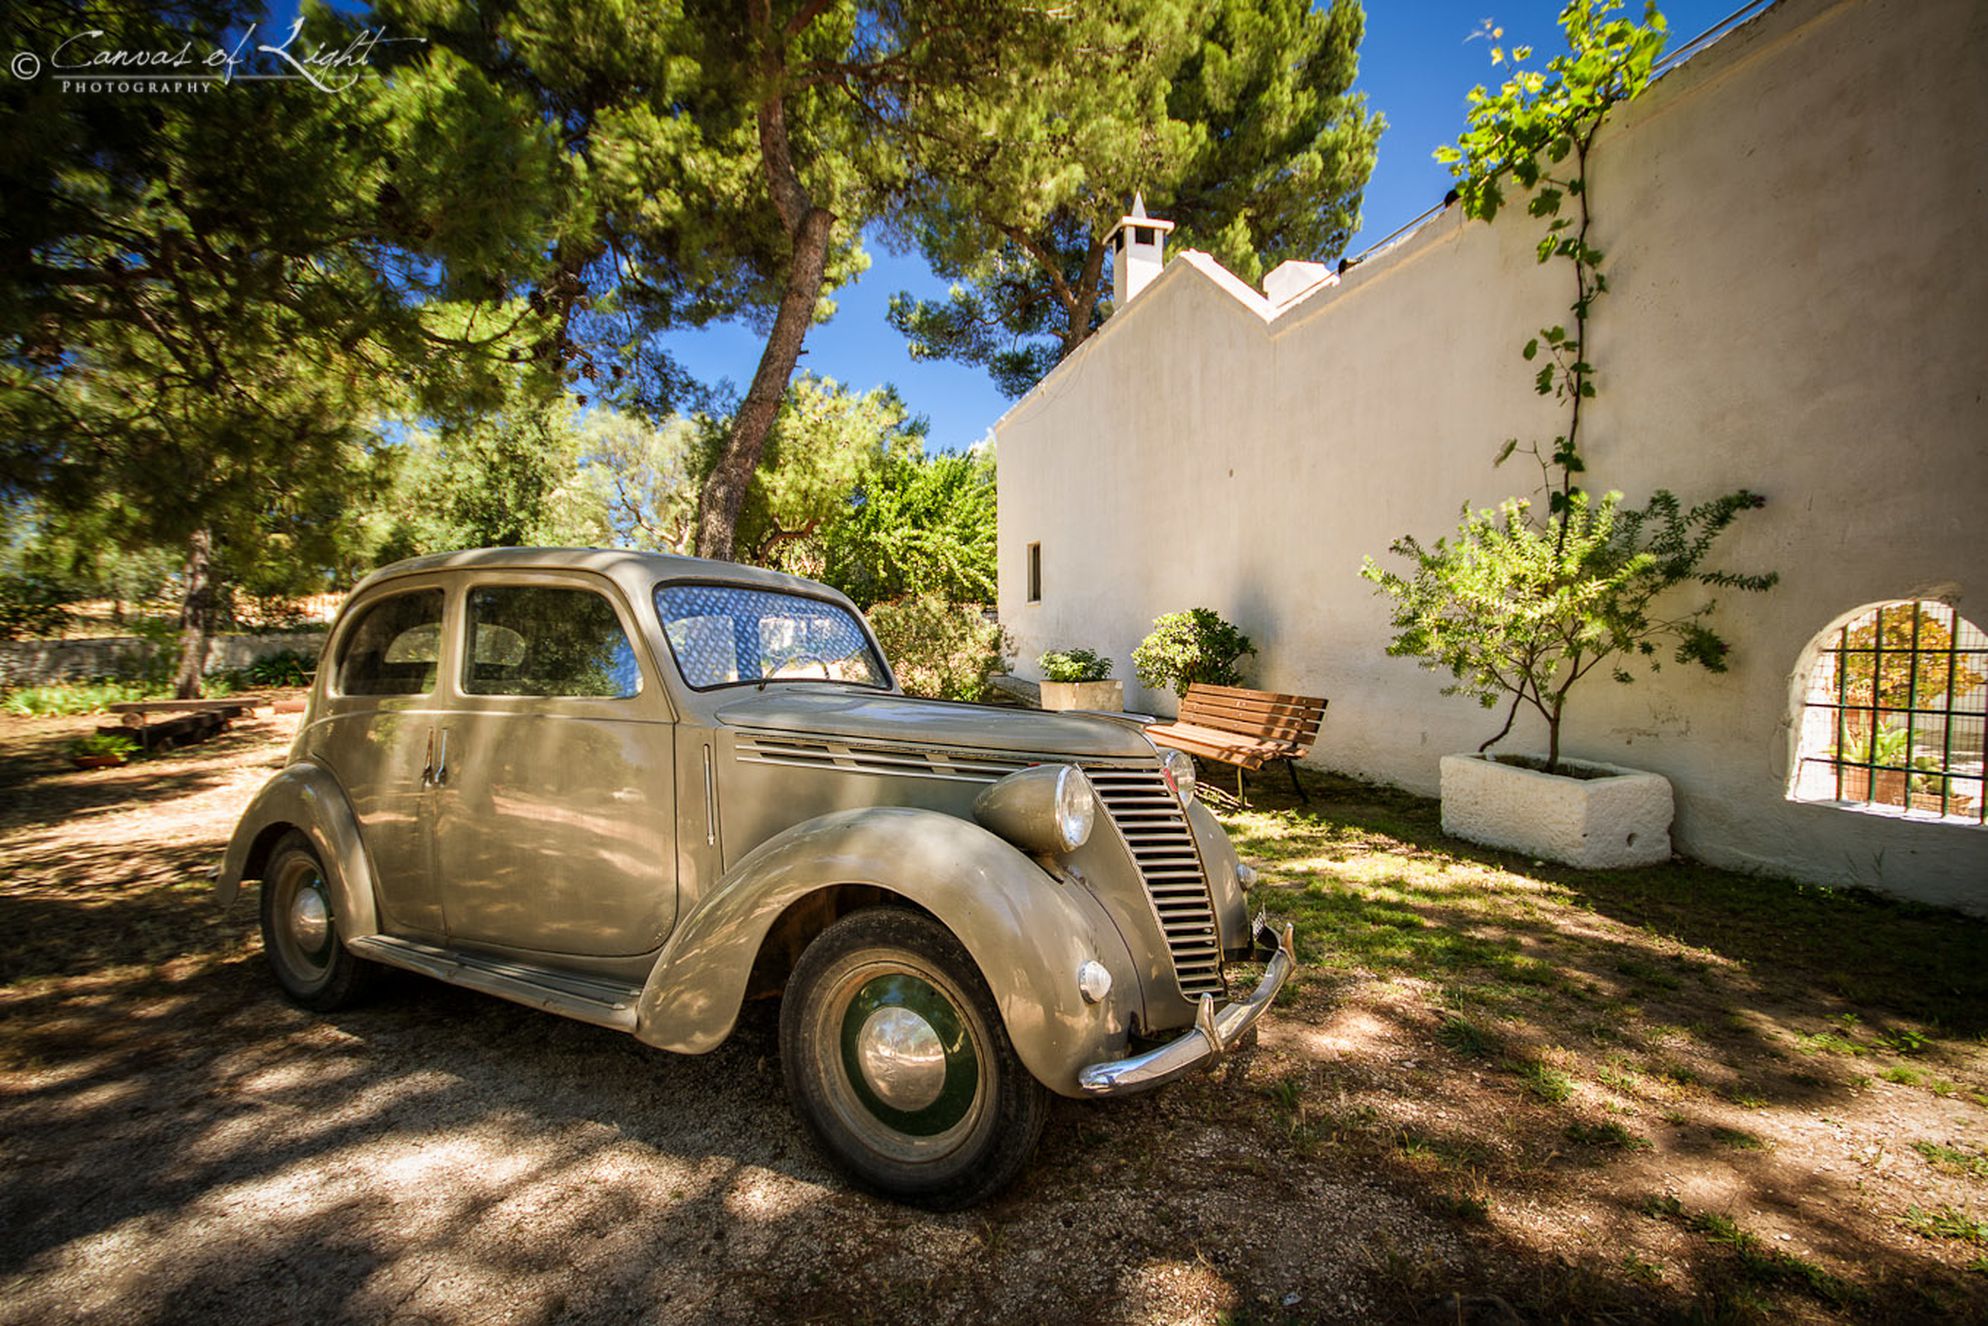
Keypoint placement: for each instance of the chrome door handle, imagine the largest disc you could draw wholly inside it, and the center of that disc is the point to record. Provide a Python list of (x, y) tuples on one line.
[(441, 775)]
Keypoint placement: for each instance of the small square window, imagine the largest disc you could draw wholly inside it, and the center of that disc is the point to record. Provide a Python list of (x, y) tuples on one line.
[(1035, 573), (1142, 235)]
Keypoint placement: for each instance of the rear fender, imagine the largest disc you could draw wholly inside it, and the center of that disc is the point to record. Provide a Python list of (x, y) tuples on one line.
[(1027, 931), (307, 798)]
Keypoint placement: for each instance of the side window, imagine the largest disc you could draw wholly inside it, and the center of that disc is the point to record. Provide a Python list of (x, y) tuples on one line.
[(545, 640), (395, 647)]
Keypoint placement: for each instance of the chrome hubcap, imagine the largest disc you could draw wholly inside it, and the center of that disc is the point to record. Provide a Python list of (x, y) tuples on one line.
[(310, 919), (901, 1058)]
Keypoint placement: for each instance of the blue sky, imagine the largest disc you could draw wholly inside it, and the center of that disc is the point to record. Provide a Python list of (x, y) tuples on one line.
[(1416, 66)]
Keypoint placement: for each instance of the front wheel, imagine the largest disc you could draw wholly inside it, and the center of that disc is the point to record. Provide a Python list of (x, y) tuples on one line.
[(898, 1063), (300, 931)]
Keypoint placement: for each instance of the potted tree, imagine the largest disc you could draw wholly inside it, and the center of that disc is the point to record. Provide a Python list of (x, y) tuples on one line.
[(1079, 679), (1521, 605)]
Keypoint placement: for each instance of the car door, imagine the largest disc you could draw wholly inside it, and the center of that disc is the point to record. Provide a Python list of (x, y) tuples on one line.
[(556, 813), (376, 732)]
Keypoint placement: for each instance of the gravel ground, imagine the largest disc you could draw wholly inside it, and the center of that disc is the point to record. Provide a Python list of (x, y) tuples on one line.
[(177, 1143), (181, 1144)]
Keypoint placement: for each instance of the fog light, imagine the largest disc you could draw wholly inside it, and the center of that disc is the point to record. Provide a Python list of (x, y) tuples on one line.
[(1093, 982), (1245, 876)]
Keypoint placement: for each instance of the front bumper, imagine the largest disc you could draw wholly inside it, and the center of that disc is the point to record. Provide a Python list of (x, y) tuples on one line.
[(1214, 1032)]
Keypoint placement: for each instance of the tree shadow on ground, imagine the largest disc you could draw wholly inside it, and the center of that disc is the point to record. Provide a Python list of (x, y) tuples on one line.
[(1661, 1062)]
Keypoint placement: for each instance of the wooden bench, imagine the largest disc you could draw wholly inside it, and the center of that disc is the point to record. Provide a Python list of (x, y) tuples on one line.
[(1245, 728), (190, 721)]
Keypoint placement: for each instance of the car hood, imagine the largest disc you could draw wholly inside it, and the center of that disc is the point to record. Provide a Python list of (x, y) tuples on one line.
[(877, 716)]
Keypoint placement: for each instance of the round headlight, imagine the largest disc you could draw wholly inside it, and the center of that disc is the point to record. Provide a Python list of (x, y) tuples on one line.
[(1075, 808), (1179, 766)]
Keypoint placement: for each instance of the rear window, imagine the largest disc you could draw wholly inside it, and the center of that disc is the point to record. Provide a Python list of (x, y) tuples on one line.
[(723, 636), (545, 640), (395, 647)]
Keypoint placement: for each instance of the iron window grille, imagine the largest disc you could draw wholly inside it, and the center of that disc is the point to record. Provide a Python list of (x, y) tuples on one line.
[(1896, 714)]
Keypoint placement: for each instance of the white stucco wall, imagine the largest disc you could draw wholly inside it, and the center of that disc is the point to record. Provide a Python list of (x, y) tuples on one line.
[(1795, 222)]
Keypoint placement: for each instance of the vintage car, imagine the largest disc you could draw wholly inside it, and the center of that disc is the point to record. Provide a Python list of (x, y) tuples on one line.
[(638, 790)]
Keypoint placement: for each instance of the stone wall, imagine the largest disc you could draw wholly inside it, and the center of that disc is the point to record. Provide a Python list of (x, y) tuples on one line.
[(32, 662)]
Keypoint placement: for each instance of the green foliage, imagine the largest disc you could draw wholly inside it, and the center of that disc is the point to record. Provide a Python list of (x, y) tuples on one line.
[(940, 649), (1074, 665), (103, 743), (1236, 120), (32, 607), (918, 525), (1519, 609), (64, 698), (1186, 647), (285, 667)]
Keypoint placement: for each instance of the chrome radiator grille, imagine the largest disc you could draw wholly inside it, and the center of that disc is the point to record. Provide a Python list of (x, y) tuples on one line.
[(1155, 827)]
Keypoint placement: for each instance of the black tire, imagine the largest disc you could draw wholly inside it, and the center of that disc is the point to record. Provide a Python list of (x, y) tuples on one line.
[(300, 937), (970, 1113)]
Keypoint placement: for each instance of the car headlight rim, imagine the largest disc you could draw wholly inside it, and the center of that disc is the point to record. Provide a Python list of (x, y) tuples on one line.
[(1076, 808), (1179, 767)]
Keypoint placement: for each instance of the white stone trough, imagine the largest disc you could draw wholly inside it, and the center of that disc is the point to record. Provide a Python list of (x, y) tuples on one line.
[(1620, 818)]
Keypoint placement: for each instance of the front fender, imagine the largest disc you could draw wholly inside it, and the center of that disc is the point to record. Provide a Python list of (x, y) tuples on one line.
[(305, 796), (1026, 931)]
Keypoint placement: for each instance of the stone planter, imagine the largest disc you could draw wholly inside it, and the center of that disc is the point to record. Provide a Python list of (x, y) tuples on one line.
[(1106, 695), (1621, 819)]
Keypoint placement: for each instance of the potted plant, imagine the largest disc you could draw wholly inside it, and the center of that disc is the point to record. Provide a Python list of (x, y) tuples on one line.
[(1523, 605), (1079, 679), (101, 750), (1873, 766)]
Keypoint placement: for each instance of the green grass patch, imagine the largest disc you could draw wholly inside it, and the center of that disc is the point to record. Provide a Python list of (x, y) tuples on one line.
[(1947, 1222), (63, 698), (1544, 1082), (1907, 1076), (1460, 1034), (1953, 1160), (1611, 1135), (1829, 1042), (1738, 1139)]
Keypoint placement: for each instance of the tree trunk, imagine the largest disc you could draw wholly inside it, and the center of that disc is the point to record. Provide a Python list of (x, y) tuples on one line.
[(808, 226), (196, 614), (725, 488)]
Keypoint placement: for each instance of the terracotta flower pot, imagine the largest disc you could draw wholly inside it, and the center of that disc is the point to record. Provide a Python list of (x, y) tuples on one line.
[(96, 761)]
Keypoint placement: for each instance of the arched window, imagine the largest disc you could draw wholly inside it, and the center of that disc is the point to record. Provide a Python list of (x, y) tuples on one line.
[(1895, 714)]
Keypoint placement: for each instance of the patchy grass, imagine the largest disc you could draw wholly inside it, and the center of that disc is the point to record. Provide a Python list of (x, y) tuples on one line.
[(1733, 1009), (1946, 1222), (1953, 1159)]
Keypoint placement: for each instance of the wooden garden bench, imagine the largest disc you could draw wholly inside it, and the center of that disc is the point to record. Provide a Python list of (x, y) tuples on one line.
[(1245, 728)]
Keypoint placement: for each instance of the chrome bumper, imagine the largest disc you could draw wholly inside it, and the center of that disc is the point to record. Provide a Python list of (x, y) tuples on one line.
[(1214, 1032)]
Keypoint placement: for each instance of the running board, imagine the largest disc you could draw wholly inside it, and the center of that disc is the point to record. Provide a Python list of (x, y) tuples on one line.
[(602, 1003)]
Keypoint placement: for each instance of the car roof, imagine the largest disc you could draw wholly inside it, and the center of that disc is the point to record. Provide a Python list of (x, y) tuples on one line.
[(636, 572)]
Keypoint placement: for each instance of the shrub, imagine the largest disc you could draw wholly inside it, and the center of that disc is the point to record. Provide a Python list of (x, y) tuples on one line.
[(1074, 665), (286, 667), (940, 649), (1187, 647), (62, 698), (31, 607), (103, 743)]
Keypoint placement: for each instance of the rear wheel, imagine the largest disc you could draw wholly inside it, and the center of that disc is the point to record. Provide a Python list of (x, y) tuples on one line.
[(300, 931), (897, 1061)]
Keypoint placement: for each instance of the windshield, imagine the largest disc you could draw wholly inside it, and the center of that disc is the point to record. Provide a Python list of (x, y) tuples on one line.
[(723, 635)]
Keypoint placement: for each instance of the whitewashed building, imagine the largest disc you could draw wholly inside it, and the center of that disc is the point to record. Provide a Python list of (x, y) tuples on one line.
[(1795, 221)]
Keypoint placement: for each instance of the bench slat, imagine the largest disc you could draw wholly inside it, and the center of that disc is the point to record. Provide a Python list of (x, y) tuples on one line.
[(1223, 705), (1244, 693)]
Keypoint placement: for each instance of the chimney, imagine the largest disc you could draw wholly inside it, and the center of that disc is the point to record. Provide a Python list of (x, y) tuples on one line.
[(1138, 252)]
